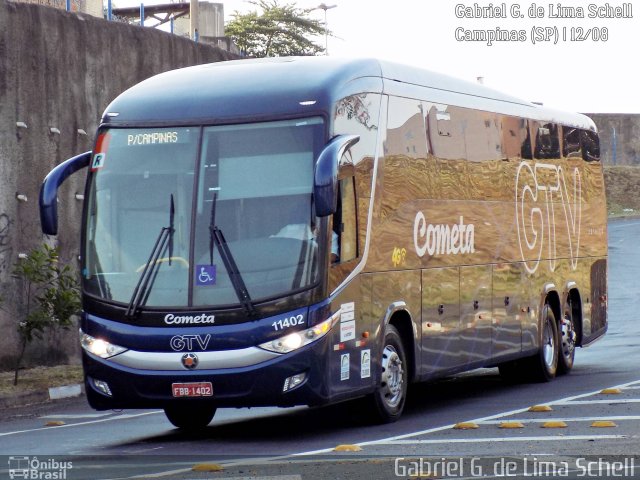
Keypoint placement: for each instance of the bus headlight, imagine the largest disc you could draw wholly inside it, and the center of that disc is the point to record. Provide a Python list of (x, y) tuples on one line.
[(99, 347), (295, 340)]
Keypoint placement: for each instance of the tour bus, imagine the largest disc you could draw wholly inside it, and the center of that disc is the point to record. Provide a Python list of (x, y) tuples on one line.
[(306, 231)]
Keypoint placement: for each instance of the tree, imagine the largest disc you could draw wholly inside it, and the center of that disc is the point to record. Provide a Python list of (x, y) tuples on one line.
[(50, 296), (279, 31)]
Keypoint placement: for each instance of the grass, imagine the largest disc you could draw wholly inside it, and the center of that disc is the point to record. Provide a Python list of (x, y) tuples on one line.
[(40, 378), (622, 184)]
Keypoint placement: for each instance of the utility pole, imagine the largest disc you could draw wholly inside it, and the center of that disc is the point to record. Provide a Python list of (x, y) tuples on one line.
[(325, 7)]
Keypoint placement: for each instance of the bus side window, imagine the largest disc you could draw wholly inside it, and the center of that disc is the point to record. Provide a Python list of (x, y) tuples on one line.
[(344, 241), (547, 142), (590, 146), (571, 142), (525, 149)]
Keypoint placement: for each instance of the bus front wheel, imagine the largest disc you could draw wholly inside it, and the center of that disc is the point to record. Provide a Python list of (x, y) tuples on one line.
[(391, 389), (190, 418)]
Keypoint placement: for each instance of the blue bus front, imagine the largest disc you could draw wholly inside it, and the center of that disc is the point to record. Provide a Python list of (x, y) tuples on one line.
[(202, 267)]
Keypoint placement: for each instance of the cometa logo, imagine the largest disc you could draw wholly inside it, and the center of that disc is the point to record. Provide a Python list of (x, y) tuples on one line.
[(442, 239), (171, 319)]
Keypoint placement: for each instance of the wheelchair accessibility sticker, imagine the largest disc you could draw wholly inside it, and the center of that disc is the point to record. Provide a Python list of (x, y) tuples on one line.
[(205, 275)]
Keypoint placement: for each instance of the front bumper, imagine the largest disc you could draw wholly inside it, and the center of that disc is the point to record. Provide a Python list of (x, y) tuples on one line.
[(259, 384)]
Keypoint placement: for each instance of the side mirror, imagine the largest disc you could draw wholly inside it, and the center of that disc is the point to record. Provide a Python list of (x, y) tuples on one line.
[(49, 190), (325, 183)]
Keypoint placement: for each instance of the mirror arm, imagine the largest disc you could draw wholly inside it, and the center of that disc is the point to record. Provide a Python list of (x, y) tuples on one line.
[(326, 173), (49, 190)]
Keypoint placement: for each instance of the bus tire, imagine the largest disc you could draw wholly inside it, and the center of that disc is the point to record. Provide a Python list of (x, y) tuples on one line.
[(542, 366), (189, 417), (391, 387), (566, 344)]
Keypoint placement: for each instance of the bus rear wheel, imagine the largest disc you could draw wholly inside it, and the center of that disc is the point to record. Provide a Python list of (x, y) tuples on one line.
[(190, 418), (391, 389), (566, 344), (542, 366)]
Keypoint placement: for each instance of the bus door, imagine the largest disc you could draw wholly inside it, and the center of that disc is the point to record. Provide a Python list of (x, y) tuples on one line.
[(352, 348)]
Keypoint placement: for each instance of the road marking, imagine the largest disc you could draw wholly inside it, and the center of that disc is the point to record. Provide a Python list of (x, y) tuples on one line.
[(566, 400), (90, 422), (399, 439), (624, 225), (163, 474), (79, 415), (269, 477), (596, 402), (603, 424), (143, 450), (568, 419), (501, 439)]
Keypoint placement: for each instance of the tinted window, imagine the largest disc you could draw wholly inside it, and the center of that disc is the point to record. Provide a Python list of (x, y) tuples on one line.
[(590, 146)]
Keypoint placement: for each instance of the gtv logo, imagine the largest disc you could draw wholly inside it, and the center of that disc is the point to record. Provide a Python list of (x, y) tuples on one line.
[(544, 198), (180, 343)]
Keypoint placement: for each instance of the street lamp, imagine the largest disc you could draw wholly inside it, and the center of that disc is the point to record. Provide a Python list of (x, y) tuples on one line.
[(325, 7)]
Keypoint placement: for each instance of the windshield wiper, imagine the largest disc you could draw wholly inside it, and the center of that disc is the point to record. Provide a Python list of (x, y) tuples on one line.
[(217, 237), (145, 282)]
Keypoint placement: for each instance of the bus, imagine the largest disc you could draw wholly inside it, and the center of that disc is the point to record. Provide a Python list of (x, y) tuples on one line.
[(306, 231)]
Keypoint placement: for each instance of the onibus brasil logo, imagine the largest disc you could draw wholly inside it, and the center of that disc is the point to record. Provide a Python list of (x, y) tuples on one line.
[(36, 469)]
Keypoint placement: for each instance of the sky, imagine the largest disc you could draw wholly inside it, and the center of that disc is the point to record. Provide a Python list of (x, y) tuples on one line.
[(597, 72)]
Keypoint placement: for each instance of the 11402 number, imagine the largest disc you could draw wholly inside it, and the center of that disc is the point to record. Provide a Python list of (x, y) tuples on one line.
[(288, 322)]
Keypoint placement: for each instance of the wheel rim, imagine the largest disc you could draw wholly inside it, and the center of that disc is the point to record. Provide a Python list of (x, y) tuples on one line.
[(568, 337), (549, 347), (392, 377)]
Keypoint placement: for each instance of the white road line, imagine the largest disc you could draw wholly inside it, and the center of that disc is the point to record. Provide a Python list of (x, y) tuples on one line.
[(79, 415), (90, 422), (596, 402), (568, 419), (477, 420), (144, 450), (624, 225), (163, 474), (502, 439)]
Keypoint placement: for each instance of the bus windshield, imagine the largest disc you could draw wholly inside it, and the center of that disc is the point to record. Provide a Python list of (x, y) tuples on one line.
[(250, 183)]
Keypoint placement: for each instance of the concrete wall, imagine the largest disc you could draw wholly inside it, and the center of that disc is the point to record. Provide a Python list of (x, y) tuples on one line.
[(60, 70), (619, 137)]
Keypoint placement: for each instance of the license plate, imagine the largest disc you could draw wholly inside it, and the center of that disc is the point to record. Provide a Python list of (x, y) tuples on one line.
[(199, 389)]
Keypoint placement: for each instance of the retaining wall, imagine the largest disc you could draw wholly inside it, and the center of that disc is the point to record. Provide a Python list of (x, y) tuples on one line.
[(59, 71)]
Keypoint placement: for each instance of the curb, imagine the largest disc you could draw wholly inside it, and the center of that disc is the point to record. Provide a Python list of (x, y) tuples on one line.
[(24, 399), (65, 391), (41, 396)]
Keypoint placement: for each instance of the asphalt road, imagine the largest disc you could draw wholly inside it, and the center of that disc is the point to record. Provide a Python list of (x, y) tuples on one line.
[(298, 443)]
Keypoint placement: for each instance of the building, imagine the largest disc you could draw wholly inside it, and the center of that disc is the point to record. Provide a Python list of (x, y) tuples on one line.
[(174, 17)]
